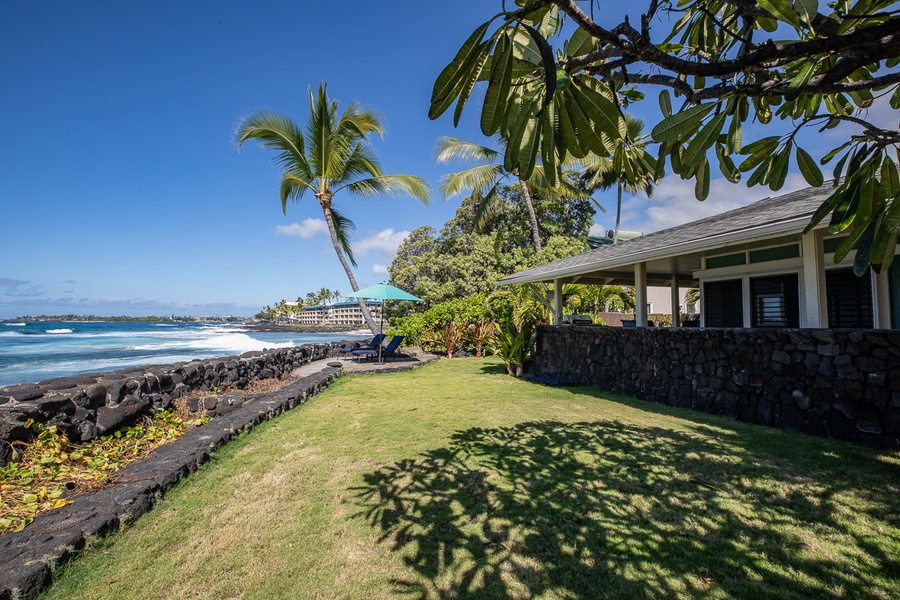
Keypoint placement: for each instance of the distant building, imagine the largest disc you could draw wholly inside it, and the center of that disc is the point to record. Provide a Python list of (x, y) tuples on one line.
[(341, 313)]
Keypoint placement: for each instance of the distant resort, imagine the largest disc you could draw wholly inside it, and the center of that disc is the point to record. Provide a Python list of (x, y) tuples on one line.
[(340, 313)]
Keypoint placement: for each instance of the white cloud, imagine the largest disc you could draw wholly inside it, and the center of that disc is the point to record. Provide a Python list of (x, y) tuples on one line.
[(384, 243), (307, 229), (673, 202), (379, 269), (597, 230)]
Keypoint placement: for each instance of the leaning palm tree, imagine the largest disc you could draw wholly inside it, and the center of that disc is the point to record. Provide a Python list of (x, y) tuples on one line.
[(333, 154), (630, 168), (484, 180)]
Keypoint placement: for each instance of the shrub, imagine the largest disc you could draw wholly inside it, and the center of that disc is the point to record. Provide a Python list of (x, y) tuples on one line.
[(422, 328)]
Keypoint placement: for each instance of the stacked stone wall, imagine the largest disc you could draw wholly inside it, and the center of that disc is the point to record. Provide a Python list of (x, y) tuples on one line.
[(839, 383), (87, 406)]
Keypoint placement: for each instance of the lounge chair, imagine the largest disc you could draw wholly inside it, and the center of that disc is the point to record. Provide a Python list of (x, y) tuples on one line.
[(388, 351), (373, 345)]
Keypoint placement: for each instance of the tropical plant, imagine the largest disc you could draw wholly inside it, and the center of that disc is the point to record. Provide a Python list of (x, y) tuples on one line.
[(448, 338), (515, 341), (484, 180), (481, 334), (332, 155), (630, 168), (828, 66)]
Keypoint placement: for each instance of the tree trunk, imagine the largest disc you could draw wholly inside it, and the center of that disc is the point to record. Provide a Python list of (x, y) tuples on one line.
[(370, 322), (618, 214), (535, 231)]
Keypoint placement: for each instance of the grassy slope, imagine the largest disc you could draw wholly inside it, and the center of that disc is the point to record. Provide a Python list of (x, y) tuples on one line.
[(458, 481)]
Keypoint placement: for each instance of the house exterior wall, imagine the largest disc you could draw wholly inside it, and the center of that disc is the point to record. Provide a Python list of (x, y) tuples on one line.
[(839, 383)]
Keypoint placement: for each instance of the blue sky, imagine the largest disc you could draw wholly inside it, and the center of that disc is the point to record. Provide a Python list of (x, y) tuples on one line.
[(122, 191)]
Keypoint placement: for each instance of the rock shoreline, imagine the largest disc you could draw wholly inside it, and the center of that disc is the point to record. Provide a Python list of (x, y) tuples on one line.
[(84, 407)]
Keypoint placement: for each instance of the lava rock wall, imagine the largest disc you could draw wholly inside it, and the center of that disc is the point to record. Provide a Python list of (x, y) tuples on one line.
[(839, 383)]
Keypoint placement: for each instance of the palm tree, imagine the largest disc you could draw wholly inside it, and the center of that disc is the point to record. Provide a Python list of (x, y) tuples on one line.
[(484, 179), (630, 168), (333, 154)]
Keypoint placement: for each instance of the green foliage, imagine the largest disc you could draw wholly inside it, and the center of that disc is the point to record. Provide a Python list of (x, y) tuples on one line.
[(419, 329), (555, 104), (44, 471), (515, 341), (461, 262), (448, 338)]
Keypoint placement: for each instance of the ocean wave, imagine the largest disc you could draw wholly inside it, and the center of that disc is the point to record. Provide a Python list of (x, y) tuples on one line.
[(15, 324), (229, 343), (65, 330)]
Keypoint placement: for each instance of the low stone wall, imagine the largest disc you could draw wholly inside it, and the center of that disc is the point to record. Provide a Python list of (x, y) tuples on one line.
[(839, 383), (87, 406)]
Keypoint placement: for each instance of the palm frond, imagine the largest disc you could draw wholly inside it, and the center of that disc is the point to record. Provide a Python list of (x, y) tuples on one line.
[(343, 229), (391, 185), (274, 132), (485, 209), (475, 180), (451, 149), (293, 186)]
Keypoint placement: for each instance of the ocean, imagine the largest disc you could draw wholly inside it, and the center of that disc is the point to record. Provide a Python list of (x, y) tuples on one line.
[(31, 352)]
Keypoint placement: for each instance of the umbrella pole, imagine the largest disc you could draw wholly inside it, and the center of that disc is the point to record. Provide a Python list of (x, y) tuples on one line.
[(381, 331)]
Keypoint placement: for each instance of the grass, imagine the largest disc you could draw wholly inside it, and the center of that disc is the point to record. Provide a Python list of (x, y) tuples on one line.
[(458, 481)]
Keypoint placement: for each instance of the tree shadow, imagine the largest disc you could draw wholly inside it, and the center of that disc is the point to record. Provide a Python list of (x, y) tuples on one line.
[(605, 509)]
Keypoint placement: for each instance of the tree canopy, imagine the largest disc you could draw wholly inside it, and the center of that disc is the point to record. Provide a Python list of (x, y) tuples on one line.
[(720, 59)]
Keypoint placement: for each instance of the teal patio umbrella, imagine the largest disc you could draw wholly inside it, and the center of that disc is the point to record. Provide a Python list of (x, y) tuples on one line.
[(383, 291)]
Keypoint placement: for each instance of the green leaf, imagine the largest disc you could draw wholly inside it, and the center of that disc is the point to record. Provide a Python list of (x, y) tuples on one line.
[(780, 9), (808, 168), (735, 135), (759, 151), (665, 103), (727, 166), (567, 140), (701, 185), (864, 250), (895, 99), (548, 62), (580, 43), (447, 85), (468, 83), (824, 209), (495, 98), (600, 110), (845, 211), (827, 158), (890, 182), (808, 10), (548, 144), (801, 80), (681, 124), (704, 140)]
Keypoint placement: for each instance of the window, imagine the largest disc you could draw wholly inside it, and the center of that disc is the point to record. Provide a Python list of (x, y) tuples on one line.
[(849, 299), (775, 301), (723, 303)]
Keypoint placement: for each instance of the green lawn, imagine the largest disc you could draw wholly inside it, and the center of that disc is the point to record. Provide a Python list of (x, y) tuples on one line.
[(458, 481)]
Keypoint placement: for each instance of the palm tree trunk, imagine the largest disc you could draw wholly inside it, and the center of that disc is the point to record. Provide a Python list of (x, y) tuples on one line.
[(370, 322), (618, 214), (535, 232)]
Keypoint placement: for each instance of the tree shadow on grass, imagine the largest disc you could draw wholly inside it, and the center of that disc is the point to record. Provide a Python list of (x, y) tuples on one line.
[(605, 509)]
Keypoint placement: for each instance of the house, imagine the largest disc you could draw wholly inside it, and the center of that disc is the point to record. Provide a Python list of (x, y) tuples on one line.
[(754, 266)]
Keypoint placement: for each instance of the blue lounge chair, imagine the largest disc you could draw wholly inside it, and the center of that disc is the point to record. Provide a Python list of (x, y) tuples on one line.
[(373, 345), (388, 351)]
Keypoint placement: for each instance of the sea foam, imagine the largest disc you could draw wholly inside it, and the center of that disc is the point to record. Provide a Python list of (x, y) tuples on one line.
[(60, 331)]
